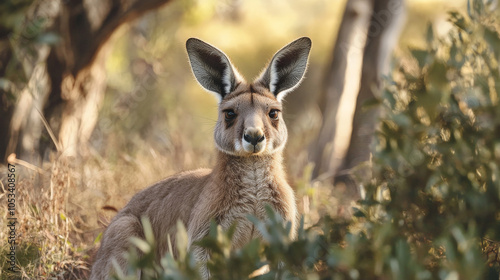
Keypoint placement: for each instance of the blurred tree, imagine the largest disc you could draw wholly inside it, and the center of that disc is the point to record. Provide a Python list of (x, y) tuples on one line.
[(368, 32), (351, 35), (10, 14), (58, 48)]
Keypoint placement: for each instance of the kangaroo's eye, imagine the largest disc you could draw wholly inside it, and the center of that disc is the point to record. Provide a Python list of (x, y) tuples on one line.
[(229, 115), (273, 114)]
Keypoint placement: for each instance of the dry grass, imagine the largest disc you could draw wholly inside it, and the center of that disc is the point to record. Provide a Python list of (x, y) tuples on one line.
[(45, 230)]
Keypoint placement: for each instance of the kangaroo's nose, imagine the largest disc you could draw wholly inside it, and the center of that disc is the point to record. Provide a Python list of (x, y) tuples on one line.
[(254, 135)]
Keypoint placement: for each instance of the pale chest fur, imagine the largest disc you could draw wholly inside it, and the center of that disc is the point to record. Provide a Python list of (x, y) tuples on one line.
[(250, 187)]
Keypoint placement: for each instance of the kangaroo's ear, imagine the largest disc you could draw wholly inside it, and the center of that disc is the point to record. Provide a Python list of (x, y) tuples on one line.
[(212, 68), (287, 68)]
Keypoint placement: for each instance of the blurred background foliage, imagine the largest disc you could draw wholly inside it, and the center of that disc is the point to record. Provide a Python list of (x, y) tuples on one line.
[(431, 206)]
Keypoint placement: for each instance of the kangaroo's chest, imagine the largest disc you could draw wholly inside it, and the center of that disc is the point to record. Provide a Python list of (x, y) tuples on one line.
[(256, 190), (251, 192)]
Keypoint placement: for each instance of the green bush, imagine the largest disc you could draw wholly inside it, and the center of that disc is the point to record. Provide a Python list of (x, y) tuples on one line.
[(432, 206)]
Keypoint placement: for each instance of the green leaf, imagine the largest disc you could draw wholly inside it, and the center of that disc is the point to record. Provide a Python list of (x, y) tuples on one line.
[(429, 34), (181, 239), (458, 20), (49, 38), (493, 39), (421, 56), (142, 245), (98, 238), (358, 213)]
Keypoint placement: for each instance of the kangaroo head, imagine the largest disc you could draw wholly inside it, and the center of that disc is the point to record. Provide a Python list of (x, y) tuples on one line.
[(249, 121)]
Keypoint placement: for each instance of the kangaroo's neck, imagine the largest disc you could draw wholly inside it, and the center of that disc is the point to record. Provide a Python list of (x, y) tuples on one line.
[(251, 170)]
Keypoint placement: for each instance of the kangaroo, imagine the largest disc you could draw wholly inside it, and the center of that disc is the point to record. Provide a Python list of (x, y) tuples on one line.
[(250, 135)]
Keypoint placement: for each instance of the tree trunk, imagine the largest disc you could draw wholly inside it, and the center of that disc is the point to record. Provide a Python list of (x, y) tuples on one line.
[(67, 83), (385, 25), (341, 81), (367, 35)]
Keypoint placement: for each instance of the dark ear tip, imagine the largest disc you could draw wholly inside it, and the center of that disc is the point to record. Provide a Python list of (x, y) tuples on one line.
[(191, 42), (305, 41)]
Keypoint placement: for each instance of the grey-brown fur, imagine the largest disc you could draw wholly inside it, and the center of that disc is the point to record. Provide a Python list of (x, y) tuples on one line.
[(248, 174)]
